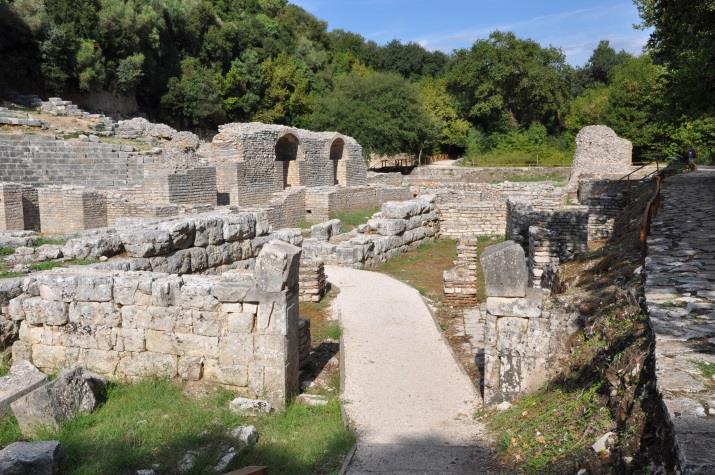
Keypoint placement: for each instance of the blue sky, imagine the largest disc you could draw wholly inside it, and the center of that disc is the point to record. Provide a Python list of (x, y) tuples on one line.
[(575, 26)]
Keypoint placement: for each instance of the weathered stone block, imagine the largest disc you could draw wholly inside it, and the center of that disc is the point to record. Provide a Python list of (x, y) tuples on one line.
[(277, 267), (527, 307), (37, 458), (505, 272), (325, 231), (74, 391), (22, 379)]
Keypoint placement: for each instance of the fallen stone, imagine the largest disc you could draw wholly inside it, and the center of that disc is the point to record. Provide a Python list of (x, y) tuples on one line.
[(503, 406), (325, 231), (250, 407), (228, 456), (505, 272), (246, 435), (22, 379), (37, 458), (604, 442), (74, 391), (187, 462), (312, 400)]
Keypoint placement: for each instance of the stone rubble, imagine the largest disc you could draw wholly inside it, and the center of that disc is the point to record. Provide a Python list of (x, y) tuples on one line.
[(36, 458), (22, 378)]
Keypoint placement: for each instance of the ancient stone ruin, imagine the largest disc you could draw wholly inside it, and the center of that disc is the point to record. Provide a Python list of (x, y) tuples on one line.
[(600, 153)]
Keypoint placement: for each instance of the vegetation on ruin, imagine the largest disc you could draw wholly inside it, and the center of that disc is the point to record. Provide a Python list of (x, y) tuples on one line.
[(6, 251), (55, 241), (606, 383), (5, 358), (706, 369), (505, 100), (322, 325), (350, 220), (154, 421), (534, 178)]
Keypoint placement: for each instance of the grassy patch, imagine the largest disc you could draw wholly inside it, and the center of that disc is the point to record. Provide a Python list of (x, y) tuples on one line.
[(706, 369), (548, 427), (496, 158), (47, 265), (6, 251), (322, 327), (5, 357), (41, 241), (82, 262), (422, 268), (153, 422), (10, 275), (352, 219), (549, 177)]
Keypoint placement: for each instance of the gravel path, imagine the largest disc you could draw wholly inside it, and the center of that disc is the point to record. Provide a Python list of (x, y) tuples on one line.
[(404, 392)]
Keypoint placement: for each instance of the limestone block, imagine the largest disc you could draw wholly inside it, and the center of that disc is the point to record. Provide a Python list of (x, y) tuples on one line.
[(325, 231), (182, 233), (505, 271), (39, 311), (230, 291), (204, 323), (146, 242), (40, 458), (190, 367), (388, 227), (94, 313), (140, 365), (209, 230), (133, 288), (102, 361), (22, 378), (250, 407), (57, 286), (197, 293), (74, 391), (223, 373), (239, 227), (239, 323), (165, 291), (277, 267), (21, 351), (94, 288), (401, 209), (235, 350), (527, 307), (179, 262)]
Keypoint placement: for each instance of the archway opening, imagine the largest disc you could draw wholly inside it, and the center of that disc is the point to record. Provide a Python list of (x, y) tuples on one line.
[(287, 153), (337, 149)]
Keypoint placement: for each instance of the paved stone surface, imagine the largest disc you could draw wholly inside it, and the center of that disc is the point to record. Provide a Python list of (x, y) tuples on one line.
[(680, 294), (406, 395)]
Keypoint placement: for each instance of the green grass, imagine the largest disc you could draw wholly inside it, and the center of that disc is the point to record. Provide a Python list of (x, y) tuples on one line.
[(82, 262), (47, 265), (551, 426), (536, 178), (555, 158), (153, 422), (422, 268), (10, 275), (322, 327), (45, 240), (5, 357), (6, 251), (705, 368), (352, 219)]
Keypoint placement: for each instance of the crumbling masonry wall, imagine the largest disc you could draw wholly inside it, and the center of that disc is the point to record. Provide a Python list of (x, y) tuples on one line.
[(238, 330), (321, 204)]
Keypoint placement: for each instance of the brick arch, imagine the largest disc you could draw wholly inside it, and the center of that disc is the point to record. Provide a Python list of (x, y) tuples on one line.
[(288, 151)]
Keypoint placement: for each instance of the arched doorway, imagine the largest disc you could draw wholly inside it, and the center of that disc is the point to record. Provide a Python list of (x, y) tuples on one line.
[(287, 153), (337, 150)]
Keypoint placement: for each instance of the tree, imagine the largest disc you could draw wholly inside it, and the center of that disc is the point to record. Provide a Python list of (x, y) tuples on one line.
[(441, 110), (285, 98), (191, 98), (381, 110), (504, 82), (590, 108), (683, 40)]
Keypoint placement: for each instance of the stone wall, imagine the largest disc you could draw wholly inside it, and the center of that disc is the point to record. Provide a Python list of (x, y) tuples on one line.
[(523, 340), (399, 227), (256, 160), (40, 160), (31, 208), (606, 200), (600, 153), (164, 185), (480, 209), (321, 204), (313, 282), (460, 283), (238, 330), (11, 214), (64, 210)]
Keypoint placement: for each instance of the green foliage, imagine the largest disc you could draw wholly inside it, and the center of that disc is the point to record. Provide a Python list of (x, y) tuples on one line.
[(7, 251), (382, 111), (47, 265), (449, 129), (705, 368), (90, 66), (191, 98), (590, 108), (504, 82), (41, 241), (349, 220)]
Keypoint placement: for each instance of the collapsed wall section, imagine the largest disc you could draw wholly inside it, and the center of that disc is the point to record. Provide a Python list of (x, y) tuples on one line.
[(237, 330)]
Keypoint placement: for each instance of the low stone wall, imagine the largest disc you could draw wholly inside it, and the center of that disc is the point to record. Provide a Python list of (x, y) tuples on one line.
[(313, 282), (287, 208), (180, 186), (480, 209), (238, 330), (571, 222), (606, 200), (389, 179), (460, 283), (400, 226), (321, 204)]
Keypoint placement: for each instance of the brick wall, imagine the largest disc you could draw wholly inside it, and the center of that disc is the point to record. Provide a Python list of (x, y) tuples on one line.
[(64, 210), (11, 215), (180, 186)]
